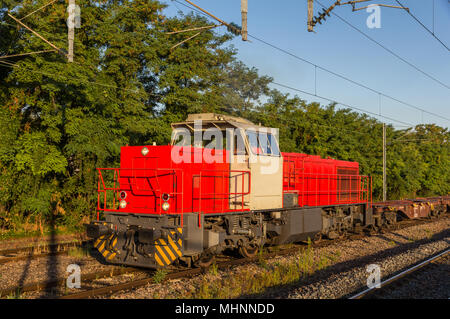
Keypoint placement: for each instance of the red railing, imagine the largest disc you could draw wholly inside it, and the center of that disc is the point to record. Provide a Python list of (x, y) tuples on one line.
[(221, 201), (128, 182), (147, 186), (315, 189)]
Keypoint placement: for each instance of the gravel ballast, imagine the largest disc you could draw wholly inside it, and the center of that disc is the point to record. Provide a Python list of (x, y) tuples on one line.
[(344, 274)]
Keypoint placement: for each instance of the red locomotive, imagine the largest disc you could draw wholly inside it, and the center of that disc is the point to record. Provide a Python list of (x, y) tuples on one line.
[(182, 203)]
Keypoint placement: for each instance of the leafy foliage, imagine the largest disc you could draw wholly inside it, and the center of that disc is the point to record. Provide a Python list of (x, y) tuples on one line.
[(60, 121)]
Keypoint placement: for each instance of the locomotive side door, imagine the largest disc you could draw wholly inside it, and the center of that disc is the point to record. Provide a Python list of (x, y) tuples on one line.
[(240, 177), (266, 167)]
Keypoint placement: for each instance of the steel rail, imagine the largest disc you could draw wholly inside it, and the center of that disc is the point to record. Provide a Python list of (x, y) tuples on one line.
[(407, 272), (30, 256), (46, 247), (96, 292), (39, 285), (179, 274), (52, 249), (102, 291)]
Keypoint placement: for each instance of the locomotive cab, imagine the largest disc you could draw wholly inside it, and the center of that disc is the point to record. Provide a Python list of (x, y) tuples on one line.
[(249, 147)]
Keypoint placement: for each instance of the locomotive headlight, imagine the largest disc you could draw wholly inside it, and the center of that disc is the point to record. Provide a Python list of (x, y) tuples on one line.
[(144, 151), (122, 204), (165, 206)]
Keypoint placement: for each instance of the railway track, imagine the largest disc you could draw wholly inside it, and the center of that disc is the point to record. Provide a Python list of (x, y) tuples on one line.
[(397, 279), (38, 251), (102, 291), (109, 290), (54, 284), (88, 279), (224, 263)]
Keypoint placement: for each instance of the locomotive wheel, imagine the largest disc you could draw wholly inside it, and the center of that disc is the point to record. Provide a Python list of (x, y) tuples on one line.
[(205, 261), (249, 251), (372, 230), (342, 234), (317, 238)]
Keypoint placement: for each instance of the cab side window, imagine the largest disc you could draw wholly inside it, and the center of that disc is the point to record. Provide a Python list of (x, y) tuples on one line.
[(239, 144), (262, 143), (274, 145), (254, 142)]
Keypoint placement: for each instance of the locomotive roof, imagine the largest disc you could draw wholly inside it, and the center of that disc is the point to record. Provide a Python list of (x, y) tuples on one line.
[(220, 121)]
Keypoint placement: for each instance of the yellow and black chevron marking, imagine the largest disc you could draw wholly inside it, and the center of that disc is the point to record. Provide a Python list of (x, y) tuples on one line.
[(106, 246), (168, 249)]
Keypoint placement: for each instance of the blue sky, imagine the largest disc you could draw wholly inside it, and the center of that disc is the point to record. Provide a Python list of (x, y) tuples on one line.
[(339, 48)]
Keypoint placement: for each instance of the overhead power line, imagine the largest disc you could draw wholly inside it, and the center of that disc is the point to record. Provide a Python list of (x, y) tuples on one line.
[(23, 54), (387, 49), (429, 31), (39, 9), (329, 71), (347, 79), (38, 35), (11, 65), (343, 104)]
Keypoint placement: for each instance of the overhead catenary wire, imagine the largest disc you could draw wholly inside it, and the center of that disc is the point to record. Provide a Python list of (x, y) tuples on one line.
[(341, 103), (311, 122), (23, 54), (387, 49), (38, 35), (329, 71), (325, 98), (429, 31), (10, 65), (340, 129), (39, 9), (346, 78), (7, 63)]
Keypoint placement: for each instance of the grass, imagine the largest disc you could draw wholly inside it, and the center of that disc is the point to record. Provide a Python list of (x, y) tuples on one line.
[(25, 233), (262, 262), (214, 269), (159, 276), (411, 239), (36, 226), (429, 233), (79, 252), (253, 282), (15, 295)]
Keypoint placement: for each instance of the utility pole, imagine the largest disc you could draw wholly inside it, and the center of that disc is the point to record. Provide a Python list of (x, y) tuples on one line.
[(71, 26), (310, 15), (384, 162), (244, 11)]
